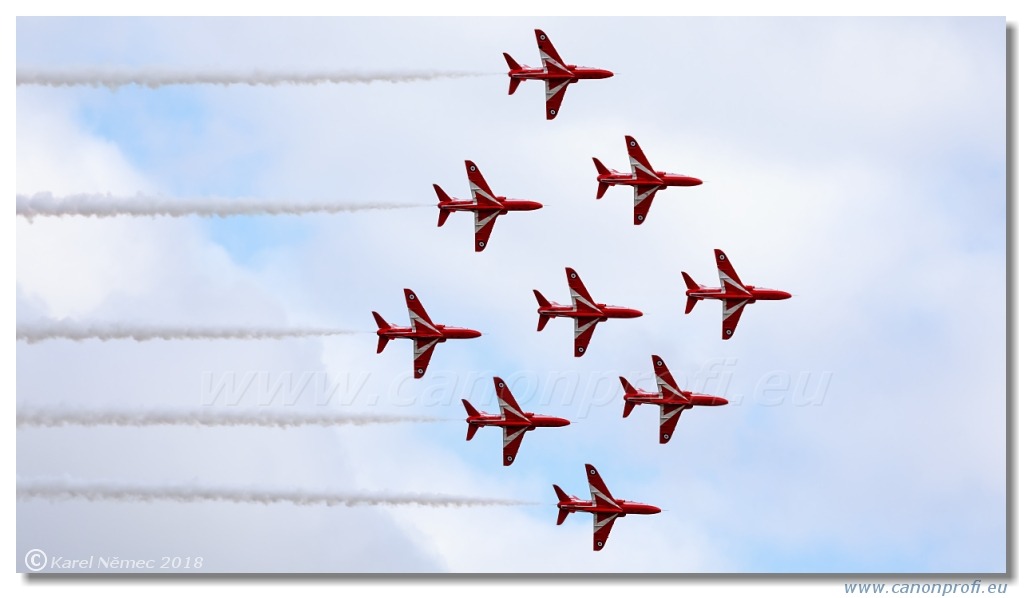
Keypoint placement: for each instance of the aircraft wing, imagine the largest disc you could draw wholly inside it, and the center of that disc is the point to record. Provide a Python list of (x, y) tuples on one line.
[(549, 57), (643, 199), (554, 90), (478, 186), (581, 299), (418, 317), (598, 491), (602, 528), (669, 418), (510, 409), (642, 168), (422, 349), (484, 221), (666, 383), (732, 309), (511, 439), (584, 330), (727, 274)]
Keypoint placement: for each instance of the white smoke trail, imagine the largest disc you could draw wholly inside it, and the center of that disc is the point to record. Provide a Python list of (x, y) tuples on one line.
[(65, 330), (96, 491), (265, 419), (107, 206), (154, 78)]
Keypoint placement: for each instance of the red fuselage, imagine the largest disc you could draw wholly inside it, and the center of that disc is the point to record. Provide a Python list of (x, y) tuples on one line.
[(507, 205), (578, 72), (755, 294), (656, 398), (606, 311), (664, 180), (444, 332), (624, 507), (535, 421)]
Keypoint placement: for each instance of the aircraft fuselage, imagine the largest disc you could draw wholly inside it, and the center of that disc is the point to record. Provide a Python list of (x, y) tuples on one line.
[(507, 205), (664, 180), (656, 398), (625, 507), (754, 294), (535, 421), (444, 332), (577, 73), (605, 312)]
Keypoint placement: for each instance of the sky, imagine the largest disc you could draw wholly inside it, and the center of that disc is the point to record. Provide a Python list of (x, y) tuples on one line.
[(857, 163)]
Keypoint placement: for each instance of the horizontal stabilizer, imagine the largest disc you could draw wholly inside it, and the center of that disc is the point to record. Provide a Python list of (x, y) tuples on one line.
[(540, 299), (470, 410), (628, 408), (690, 303), (626, 386), (471, 431), (381, 322), (512, 64), (382, 341), (562, 514), (542, 322)]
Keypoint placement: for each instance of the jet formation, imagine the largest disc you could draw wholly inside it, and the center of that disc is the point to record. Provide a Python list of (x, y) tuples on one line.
[(585, 312)]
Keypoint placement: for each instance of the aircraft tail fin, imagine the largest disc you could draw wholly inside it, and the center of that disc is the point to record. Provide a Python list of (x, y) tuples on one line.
[(628, 388), (543, 321), (443, 201), (513, 83), (512, 64), (601, 171), (562, 496), (690, 283), (471, 412), (381, 340)]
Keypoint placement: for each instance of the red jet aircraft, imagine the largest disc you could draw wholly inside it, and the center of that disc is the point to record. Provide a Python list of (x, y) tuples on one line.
[(605, 508), (485, 205), (645, 180), (424, 333), (734, 295), (556, 74), (672, 400), (513, 421), (585, 312)]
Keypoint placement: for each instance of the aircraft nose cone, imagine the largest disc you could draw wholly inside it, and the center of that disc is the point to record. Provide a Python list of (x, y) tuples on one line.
[(561, 421), (534, 205), (653, 510), (473, 333), (634, 313), (721, 401), (605, 74), (695, 181), (786, 295)]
